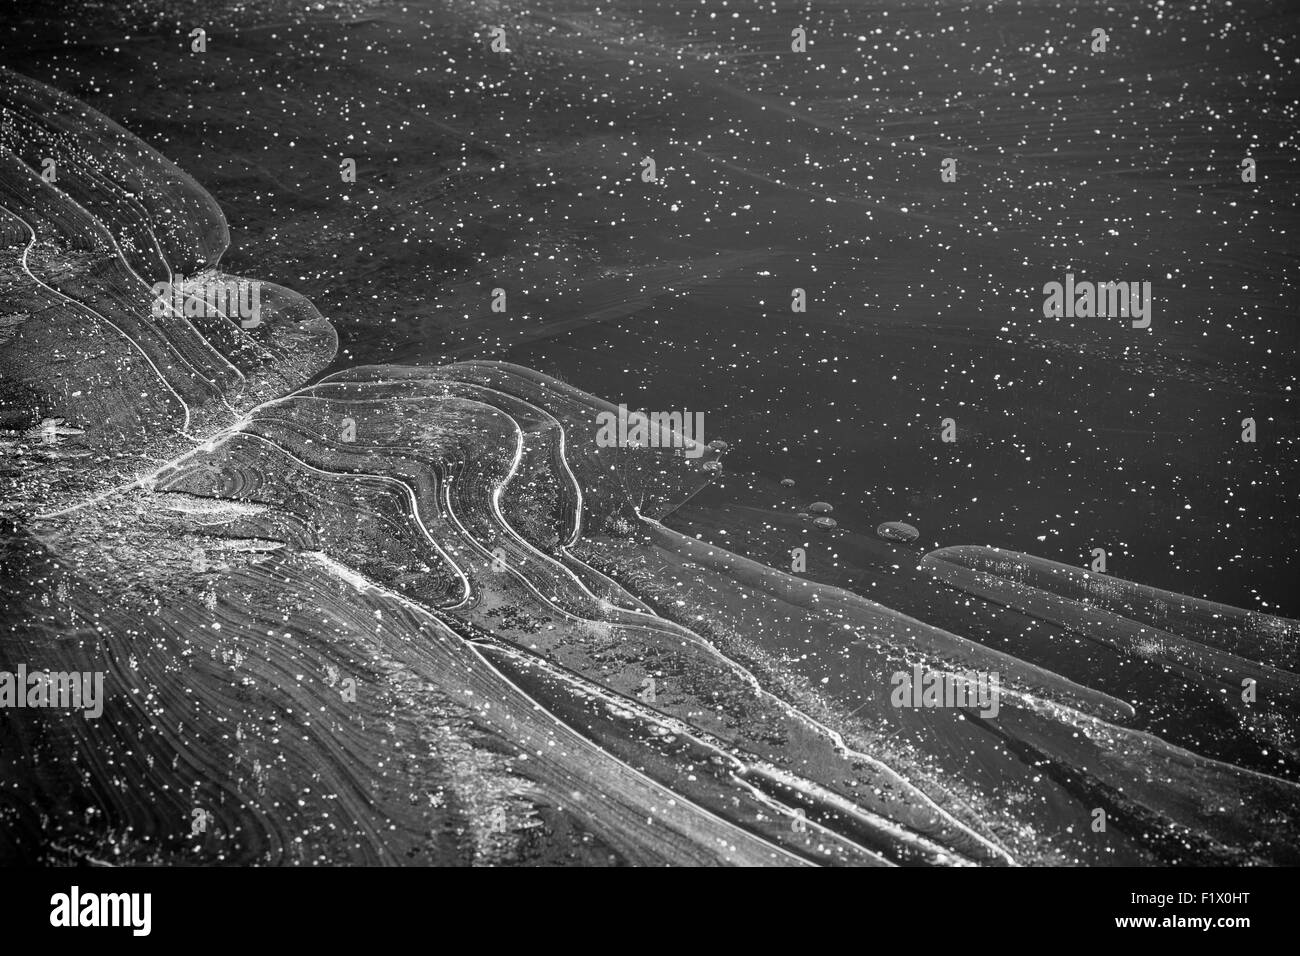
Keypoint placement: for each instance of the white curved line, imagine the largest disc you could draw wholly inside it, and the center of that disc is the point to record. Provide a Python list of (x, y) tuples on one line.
[(23, 261), (415, 505)]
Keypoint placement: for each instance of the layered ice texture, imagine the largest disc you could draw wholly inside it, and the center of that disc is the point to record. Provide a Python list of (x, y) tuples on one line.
[(417, 615)]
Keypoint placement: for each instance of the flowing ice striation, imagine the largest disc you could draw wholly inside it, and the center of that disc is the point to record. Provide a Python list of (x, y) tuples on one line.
[(403, 614)]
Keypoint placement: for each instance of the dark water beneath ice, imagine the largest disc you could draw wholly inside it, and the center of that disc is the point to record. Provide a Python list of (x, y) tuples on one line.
[(926, 297)]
